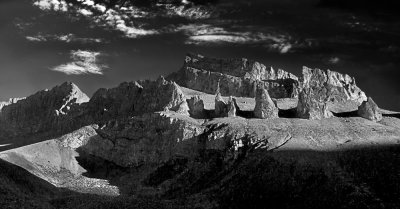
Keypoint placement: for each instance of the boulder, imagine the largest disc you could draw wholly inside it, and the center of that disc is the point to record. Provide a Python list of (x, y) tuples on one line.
[(265, 108), (324, 92), (370, 110), (237, 77), (196, 107)]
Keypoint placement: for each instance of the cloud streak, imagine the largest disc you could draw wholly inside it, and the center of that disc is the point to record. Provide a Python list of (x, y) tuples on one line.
[(67, 38), (83, 62), (203, 34)]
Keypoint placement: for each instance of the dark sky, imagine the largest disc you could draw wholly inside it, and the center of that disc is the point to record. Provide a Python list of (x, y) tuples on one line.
[(42, 47)]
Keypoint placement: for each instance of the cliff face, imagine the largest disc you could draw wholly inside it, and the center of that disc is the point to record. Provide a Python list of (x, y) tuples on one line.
[(150, 138), (324, 92), (135, 98), (65, 108), (236, 77), (47, 110)]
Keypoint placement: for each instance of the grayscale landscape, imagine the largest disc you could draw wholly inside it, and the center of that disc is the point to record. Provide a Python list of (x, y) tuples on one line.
[(199, 104)]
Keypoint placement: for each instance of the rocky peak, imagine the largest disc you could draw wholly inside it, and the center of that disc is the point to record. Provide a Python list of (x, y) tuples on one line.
[(73, 95), (160, 95), (41, 111), (109, 103)]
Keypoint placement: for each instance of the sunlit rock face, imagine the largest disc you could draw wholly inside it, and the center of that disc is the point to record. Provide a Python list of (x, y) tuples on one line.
[(231, 107), (220, 106), (65, 108), (265, 107), (47, 110), (237, 77), (324, 92), (136, 98)]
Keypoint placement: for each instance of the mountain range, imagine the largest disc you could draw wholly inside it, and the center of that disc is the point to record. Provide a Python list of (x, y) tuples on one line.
[(218, 133)]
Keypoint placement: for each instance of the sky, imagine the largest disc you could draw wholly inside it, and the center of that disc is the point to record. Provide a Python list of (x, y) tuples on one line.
[(44, 43)]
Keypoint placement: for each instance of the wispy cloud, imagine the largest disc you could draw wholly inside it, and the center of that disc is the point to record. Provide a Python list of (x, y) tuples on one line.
[(202, 34), (67, 38), (83, 62)]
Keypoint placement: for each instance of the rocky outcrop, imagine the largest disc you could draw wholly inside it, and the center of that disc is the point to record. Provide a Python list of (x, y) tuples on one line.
[(196, 107), (148, 138), (312, 105), (111, 103), (237, 77), (220, 109), (231, 107), (370, 110), (324, 92), (65, 108), (159, 95), (45, 111), (136, 98), (265, 108)]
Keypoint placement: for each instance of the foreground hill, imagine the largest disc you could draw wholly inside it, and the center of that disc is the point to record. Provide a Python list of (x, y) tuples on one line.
[(323, 145)]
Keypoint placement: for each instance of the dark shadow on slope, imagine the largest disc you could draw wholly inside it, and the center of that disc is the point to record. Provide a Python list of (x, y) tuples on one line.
[(21, 141), (365, 177), (392, 115), (346, 114), (99, 168), (289, 113), (355, 178), (245, 114), (21, 189)]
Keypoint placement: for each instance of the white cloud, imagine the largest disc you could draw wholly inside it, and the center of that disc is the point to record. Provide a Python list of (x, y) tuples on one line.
[(192, 12), (85, 12), (56, 5), (83, 62), (334, 60), (35, 38), (100, 8), (116, 20)]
